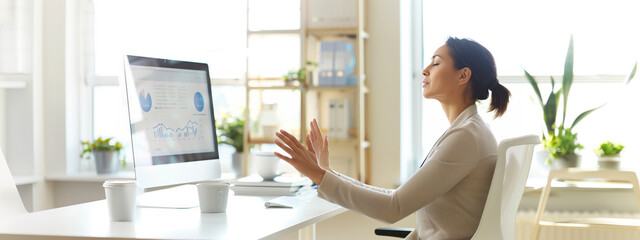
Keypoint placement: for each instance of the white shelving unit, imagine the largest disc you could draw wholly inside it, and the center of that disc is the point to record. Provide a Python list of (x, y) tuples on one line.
[(349, 155), (21, 96)]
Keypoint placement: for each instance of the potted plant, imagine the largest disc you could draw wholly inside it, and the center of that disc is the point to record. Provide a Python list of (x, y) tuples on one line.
[(609, 155), (560, 141), (105, 154), (300, 75), (232, 133)]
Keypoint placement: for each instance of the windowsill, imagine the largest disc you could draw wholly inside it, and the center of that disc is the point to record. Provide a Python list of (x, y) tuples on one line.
[(25, 180), (13, 80), (90, 176), (94, 177)]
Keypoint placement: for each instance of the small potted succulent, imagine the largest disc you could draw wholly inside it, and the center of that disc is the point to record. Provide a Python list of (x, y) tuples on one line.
[(299, 75), (104, 153), (609, 155)]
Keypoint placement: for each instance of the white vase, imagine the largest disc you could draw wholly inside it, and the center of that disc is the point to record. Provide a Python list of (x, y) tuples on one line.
[(237, 163), (544, 163), (567, 161), (609, 162)]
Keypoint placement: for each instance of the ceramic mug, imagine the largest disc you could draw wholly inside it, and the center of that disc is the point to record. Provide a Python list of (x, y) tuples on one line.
[(213, 196), (267, 165)]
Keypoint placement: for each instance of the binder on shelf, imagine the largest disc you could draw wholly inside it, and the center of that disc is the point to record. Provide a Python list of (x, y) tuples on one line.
[(325, 63), (339, 118), (337, 63), (344, 63)]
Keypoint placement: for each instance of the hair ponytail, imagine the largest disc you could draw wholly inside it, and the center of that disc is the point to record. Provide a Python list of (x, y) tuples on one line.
[(499, 100)]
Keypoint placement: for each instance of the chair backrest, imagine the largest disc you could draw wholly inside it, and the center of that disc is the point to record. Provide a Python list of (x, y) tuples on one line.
[(10, 202), (512, 169)]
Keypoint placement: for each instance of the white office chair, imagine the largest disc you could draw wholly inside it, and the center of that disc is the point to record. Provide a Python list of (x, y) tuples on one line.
[(498, 219), (10, 202)]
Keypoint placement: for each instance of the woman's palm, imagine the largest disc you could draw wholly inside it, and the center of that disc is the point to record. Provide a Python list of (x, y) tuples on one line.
[(320, 145)]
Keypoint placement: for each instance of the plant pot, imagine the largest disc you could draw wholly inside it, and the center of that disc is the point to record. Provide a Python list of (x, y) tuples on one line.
[(567, 161), (237, 163), (609, 162), (106, 161)]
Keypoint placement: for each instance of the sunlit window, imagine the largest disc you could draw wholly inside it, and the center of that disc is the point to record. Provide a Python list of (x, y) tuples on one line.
[(193, 30), (534, 35)]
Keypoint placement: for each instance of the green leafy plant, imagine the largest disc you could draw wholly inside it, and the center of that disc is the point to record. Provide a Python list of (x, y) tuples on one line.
[(559, 140), (563, 144), (232, 131), (300, 74), (99, 145), (608, 148)]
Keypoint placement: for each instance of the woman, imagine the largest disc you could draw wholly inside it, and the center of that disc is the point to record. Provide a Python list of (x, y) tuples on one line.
[(449, 190)]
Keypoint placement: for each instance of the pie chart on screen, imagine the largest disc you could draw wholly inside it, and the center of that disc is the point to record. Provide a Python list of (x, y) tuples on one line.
[(198, 101), (145, 101)]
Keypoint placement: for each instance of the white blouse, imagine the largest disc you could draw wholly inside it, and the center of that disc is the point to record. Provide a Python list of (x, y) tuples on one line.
[(447, 193)]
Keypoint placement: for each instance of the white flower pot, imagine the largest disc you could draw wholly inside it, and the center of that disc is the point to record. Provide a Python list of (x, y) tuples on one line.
[(568, 161), (609, 162)]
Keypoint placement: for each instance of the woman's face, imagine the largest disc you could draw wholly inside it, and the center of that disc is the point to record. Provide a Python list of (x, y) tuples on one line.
[(440, 77)]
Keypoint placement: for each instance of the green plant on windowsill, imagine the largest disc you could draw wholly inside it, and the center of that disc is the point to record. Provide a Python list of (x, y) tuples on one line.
[(609, 155), (563, 144), (232, 131), (560, 141), (299, 75), (100, 145), (609, 148), (105, 154)]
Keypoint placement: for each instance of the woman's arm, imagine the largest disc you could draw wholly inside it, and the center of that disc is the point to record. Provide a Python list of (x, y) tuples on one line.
[(451, 162)]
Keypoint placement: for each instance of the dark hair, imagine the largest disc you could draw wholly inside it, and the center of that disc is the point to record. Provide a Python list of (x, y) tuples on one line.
[(468, 53)]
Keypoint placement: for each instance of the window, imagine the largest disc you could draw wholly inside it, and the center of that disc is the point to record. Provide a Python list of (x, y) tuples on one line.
[(208, 31), (195, 30), (16, 36), (534, 35)]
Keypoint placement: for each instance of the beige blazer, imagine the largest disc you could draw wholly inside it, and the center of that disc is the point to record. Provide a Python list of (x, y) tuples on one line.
[(447, 193)]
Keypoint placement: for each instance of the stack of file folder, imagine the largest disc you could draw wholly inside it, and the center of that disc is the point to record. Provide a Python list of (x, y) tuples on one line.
[(280, 186)]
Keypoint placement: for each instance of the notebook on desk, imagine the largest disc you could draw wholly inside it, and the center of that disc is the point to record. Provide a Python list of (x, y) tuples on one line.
[(286, 202), (280, 186)]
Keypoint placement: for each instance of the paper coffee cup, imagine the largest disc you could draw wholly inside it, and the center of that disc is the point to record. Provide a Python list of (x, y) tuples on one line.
[(213, 196), (267, 165), (121, 199)]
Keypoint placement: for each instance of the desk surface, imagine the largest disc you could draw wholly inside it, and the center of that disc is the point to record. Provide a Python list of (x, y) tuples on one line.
[(246, 218)]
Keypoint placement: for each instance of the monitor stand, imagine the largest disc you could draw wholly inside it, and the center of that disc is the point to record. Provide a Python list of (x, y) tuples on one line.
[(183, 196)]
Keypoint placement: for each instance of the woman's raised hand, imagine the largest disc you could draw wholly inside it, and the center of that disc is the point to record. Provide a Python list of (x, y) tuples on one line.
[(302, 159), (319, 145)]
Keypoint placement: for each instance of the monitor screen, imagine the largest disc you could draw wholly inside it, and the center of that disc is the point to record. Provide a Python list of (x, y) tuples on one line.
[(172, 121)]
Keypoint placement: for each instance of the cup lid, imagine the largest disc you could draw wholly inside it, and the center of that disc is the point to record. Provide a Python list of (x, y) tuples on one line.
[(119, 183)]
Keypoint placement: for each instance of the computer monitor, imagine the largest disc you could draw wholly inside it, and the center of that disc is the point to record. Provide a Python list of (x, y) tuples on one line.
[(172, 121)]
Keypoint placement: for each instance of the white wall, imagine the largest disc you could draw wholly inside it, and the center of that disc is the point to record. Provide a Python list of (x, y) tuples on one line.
[(382, 64)]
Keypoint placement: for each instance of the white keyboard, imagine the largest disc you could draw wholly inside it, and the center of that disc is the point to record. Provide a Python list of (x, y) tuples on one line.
[(287, 202)]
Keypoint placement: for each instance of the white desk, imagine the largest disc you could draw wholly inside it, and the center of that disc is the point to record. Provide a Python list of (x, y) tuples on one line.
[(246, 218)]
